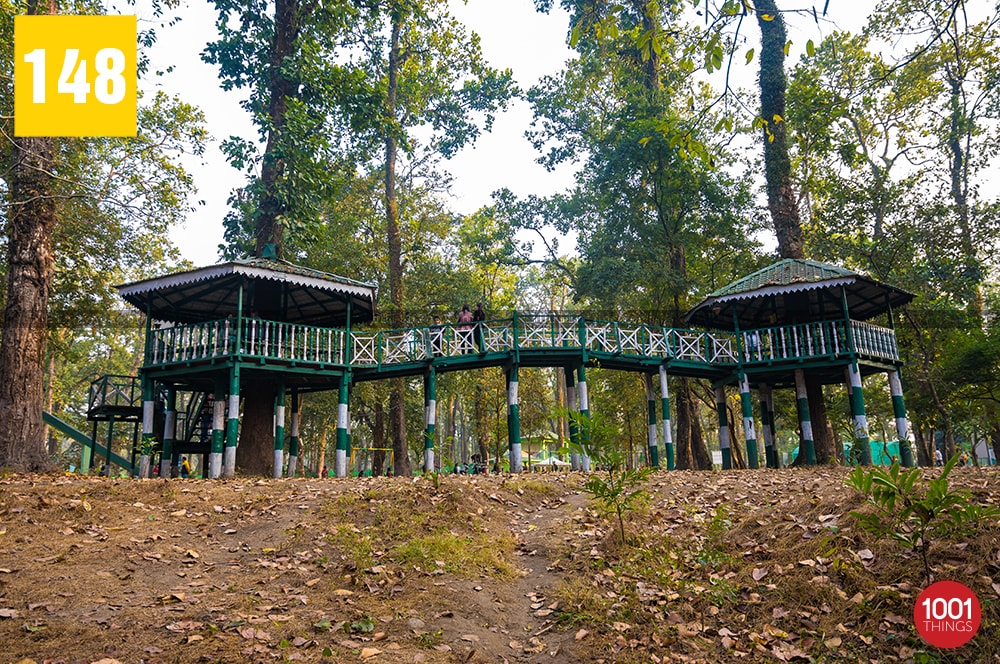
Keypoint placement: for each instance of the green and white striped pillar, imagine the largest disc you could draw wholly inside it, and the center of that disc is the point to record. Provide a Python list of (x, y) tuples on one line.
[(902, 423), (746, 406), (572, 404), (232, 424), (430, 418), (668, 437), (857, 400), (148, 408), (581, 391), (279, 432), (169, 433), (218, 433), (513, 421), (293, 442), (654, 452), (724, 440), (767, 424), (343, 425), (808, 446)]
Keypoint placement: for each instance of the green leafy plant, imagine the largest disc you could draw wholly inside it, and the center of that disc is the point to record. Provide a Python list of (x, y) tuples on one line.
[(617, 487), (907, 513)]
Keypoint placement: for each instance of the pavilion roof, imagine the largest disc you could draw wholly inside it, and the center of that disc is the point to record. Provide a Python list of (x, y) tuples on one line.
[(796, 291), (277, 290)]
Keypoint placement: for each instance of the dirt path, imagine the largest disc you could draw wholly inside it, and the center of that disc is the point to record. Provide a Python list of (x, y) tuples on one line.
[(516, 622)]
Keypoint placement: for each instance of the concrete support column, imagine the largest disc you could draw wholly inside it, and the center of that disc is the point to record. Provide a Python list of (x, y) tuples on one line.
[(857, 398), (169, 433), (767, 425), (232, 424), (654, 452), (430, 418), (581, 390), (218, 434), (902, 423), (746, 406), (724, 440), (513, 421), (279, 432), (343, 426), (668, 437), (572, 405), (807, 447), (293, 443), (148, 406)]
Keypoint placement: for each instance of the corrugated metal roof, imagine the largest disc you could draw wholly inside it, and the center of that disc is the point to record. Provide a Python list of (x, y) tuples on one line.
[(795, 291), (785, 273), (206, 293)]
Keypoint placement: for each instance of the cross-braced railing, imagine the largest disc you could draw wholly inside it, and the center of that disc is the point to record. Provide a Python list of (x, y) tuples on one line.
[(275, 340), (114, 392)]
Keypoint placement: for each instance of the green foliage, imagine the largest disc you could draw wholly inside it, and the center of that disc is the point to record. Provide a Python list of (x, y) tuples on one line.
[(913, 516), (617, 487)]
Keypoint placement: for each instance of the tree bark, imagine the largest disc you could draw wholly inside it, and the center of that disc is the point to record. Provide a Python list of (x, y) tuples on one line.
[(823, 442), (267, 224), (781, 198), (378, 438), (29, 279), (397, 319), (255, 453)]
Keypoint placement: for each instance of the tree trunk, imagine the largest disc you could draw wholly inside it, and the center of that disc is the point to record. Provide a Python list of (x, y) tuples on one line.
[(29, 278), (378, 438), (267, 224), (255, 453), (397, 399), (925, 455), (995, 438), (739, 460), (480, 414), (781, 199), (822, 436)]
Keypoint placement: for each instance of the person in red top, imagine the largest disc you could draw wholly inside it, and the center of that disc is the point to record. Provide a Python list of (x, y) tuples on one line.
[(465, 328)]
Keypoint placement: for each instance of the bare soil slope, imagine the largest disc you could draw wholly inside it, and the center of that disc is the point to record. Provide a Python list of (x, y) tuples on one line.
[(732, 566)]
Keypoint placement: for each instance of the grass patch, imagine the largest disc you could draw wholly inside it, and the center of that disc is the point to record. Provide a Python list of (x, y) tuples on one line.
[(462, 556)]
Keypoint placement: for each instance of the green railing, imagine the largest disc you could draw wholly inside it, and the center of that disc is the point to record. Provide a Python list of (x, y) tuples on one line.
[(826, 339), (291, 342), (114, 392), (287, 342)]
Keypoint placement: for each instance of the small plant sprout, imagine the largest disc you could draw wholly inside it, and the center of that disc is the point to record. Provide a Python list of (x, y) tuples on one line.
[(912, 516), (618, 488)]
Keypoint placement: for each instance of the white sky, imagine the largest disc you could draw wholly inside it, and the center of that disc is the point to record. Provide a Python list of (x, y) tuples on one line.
[(513, 36)]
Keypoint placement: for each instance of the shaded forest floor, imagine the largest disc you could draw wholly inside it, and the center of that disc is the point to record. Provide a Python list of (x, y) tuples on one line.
[(739, 566)]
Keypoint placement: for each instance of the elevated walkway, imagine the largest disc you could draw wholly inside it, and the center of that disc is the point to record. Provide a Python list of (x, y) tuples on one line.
[(530, 340)]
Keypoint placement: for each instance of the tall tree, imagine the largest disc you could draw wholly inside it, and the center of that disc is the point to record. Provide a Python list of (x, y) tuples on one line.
[(651, 218), (30, 222), (434, 78), (782, 198), (286, 55), (76, 205)]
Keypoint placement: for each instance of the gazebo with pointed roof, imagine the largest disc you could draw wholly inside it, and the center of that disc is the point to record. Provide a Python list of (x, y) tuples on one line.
[(798, 317), (211, 330), (796, 291)]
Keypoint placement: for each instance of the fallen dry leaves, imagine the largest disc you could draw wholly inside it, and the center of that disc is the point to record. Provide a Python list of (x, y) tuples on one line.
[(735, 566)]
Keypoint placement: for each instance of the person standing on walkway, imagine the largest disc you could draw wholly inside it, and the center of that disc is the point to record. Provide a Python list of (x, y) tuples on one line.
[(479, 317), (465, 328)]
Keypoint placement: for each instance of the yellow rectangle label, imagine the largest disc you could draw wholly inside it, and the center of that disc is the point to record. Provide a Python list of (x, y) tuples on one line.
[(75, 75)]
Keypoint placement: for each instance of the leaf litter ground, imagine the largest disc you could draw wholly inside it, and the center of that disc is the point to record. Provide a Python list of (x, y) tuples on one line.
[(720, 567)]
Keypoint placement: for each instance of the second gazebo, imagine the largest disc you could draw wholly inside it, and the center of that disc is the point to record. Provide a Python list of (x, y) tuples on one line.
[(799, 318)]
